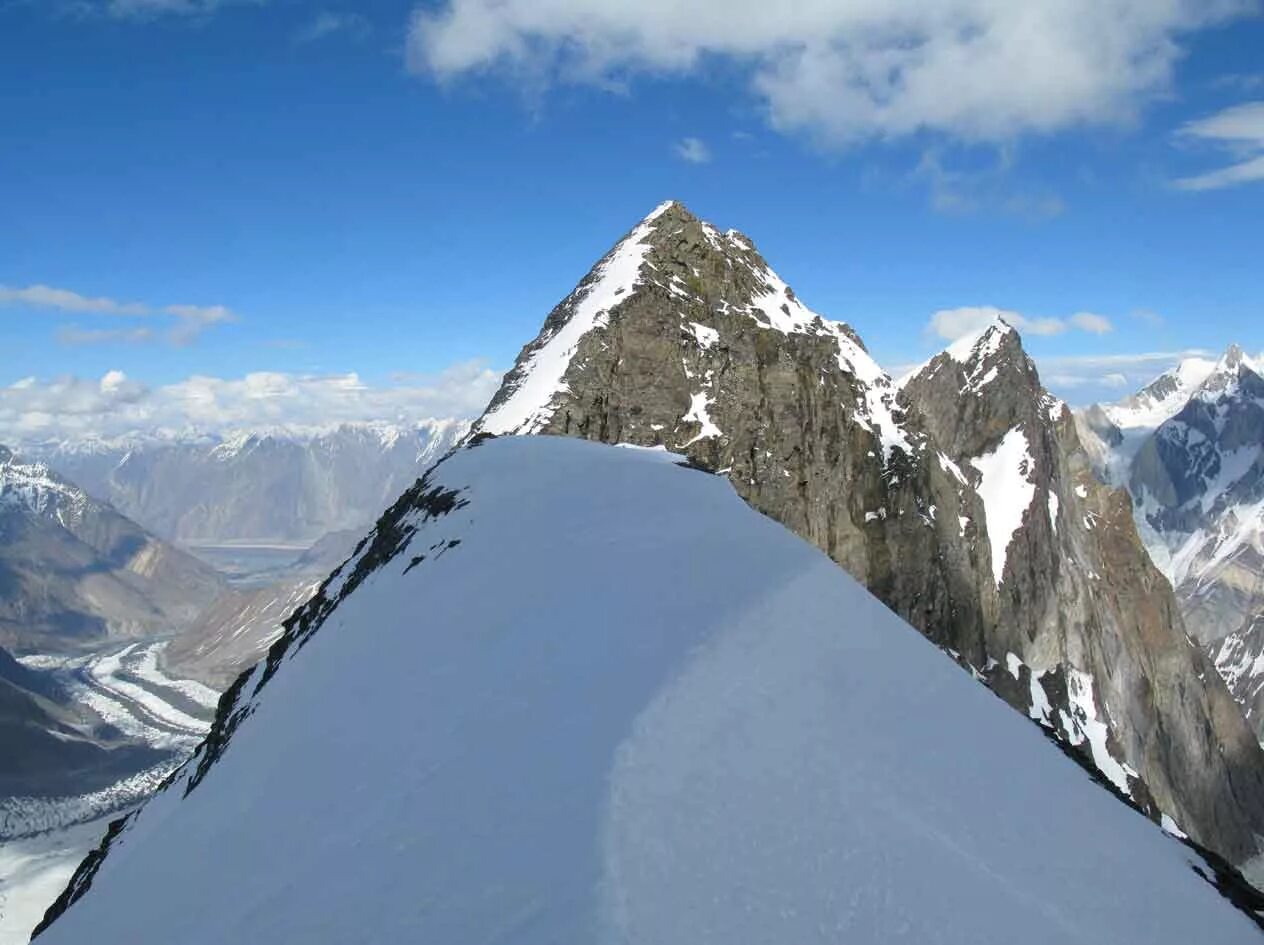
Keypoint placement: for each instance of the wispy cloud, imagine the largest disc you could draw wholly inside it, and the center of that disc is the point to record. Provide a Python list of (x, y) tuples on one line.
[(185, 322), (1110, 372), (328, 23), (1238, 132), (32, 409), (692, 150), (44, 296), (75, 335), (986, 188), (1239, 81), (953, 323), (152, 9)]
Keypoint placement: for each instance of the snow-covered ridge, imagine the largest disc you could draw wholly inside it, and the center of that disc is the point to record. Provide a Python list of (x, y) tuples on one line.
[(755, 751), (1163, 398), (37, 489), (529, 406)]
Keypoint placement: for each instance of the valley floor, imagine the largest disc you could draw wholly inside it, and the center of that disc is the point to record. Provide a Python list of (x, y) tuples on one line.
[(43, 839)]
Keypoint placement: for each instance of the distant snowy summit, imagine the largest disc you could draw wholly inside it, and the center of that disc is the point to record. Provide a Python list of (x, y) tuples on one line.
[(1190, 449), (703, 731)]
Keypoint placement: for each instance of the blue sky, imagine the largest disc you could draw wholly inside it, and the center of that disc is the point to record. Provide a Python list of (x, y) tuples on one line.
[(402, 192)]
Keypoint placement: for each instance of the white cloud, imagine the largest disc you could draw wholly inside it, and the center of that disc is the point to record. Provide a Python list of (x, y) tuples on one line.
[(1093, 324), (1240, 81), (1237, 131), (152, 9), (693, 150), (32, 410), (75, 335), (951, 324), (327, 23), (1099, 375), (189, 320), (43, 296), (846, 70)]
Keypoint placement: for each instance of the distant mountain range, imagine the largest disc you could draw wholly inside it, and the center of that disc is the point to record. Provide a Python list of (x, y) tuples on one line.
[(281, 485), (1190, 449), (75, 573)]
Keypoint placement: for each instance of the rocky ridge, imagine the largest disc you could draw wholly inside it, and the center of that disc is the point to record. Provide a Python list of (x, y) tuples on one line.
[(683, 337)]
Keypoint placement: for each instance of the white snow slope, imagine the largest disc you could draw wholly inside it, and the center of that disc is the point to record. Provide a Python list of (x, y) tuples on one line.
[(628, 709)]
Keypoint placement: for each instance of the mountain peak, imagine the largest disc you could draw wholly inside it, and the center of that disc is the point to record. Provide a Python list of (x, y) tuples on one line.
[(669, 210), (1235, 372), (1235, 360), (979, 356), (688, 277), (984, 342)]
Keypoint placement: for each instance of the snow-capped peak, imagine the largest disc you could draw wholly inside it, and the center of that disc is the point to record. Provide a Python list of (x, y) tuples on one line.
[(38, 490), (1228, 375), (706, 277), (981, 344), (1163, 398), (976, 352), (527, 407)]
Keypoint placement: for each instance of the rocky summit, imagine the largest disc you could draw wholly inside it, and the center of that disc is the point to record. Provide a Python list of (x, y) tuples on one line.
[(964, 500)]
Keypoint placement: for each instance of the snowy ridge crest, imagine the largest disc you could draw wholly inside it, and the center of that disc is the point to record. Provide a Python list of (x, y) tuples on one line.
[(539, 375), (38, 490)]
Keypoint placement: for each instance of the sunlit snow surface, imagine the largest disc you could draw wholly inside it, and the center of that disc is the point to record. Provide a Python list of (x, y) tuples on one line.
[(628, 709)]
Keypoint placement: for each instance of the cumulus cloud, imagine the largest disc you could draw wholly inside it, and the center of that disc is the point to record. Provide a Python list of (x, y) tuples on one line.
[(845, 71), (692, 150), (953, 323), (189, 320), (33, 410), (1239, 133)]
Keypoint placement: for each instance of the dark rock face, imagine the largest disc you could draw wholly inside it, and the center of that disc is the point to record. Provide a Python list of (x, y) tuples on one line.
[(713, 356), (1079, 597), (683, 338)]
